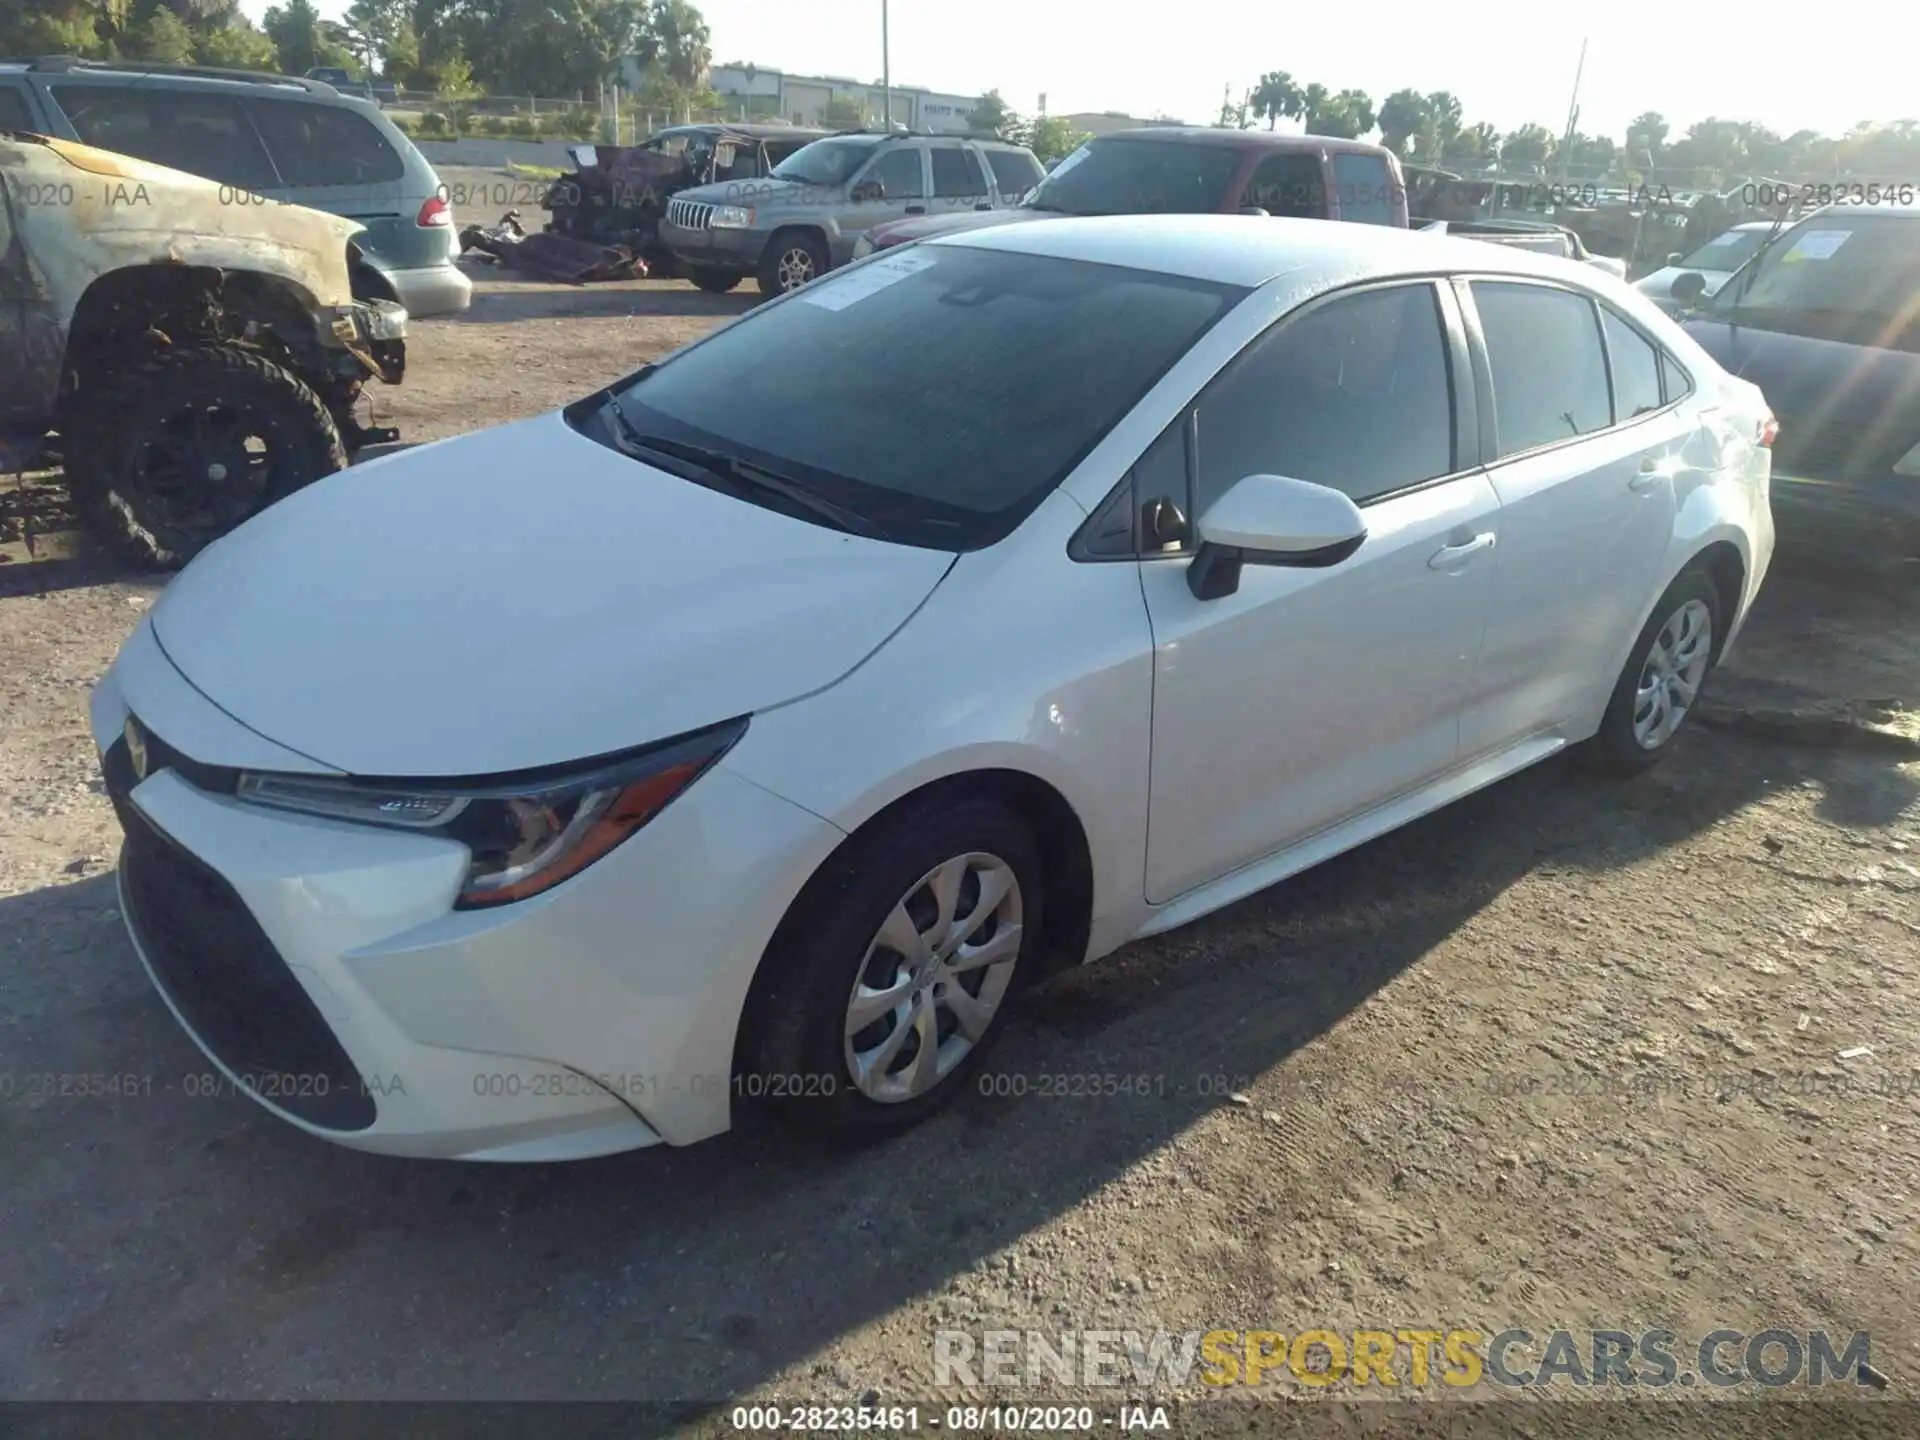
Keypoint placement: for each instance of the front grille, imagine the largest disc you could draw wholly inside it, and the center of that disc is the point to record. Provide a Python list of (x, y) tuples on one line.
[(690, 214), (224, 975)]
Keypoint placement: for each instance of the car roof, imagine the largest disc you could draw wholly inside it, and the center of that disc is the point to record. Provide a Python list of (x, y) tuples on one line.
[(750, 131), (1214, 136), (65, 68), (1249, 250)]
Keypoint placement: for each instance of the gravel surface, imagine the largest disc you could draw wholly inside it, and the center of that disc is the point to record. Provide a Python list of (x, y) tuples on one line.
[(1568, 1053)]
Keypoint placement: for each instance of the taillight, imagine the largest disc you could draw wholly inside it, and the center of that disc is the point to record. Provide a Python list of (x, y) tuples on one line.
[(435, 212), (1769, 430)]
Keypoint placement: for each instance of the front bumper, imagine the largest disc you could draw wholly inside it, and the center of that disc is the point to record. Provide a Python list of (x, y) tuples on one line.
[(727, 248), (374, 332), (321, 968)]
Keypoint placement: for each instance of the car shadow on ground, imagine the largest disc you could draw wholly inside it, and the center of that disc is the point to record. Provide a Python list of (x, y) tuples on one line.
[(503, 295)]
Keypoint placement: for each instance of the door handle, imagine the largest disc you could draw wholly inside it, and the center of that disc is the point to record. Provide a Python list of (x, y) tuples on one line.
[(1647, 478), (1452, 557), (983, 205), (916, 209)]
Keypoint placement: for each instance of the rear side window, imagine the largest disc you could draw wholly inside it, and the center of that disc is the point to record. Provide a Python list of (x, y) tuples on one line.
[(13, 110), (1364, 188), (1636, 368), (957, 173), (196, 131), (324, 145), (1014, 172), (1354, 394), (1549, 375), (1286, 184)]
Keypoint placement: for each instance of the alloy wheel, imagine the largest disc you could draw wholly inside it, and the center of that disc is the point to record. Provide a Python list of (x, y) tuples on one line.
[(1670, 678), (795, 268), (933, 977)]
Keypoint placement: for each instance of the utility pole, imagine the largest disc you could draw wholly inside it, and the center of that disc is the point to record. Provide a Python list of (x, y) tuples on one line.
[(886, 69), (1573, 115)]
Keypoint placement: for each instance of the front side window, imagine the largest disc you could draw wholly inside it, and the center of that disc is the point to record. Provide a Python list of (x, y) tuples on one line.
[(1549, 373), (939, 393), (196, 131), (957, 174), (899, 175), (1365, 189), (1139, 177), (1287, 183), (324, 145), (1353, 394), (1636, 368), (1854, 278)]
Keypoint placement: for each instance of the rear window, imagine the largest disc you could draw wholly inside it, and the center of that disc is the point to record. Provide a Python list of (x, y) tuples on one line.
[(1014, 172), (1140, 177), (324, 145), (978, 379), (197, 131)]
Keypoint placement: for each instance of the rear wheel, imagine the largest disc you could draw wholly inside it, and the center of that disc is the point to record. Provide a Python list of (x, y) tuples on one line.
[(887, 982), (793, 258), (196, 441), (716, 282), (1663, 676)]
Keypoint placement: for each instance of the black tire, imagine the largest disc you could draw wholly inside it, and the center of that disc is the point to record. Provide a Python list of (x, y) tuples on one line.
[(149, 440), (787, 253), (716, 282), (1616, 748), (793, 1052)]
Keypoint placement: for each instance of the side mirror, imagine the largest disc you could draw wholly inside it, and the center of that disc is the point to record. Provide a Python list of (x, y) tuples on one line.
[(1675, 258), (868, 190), (1688, 288), (1272, 520), (1259, 210)]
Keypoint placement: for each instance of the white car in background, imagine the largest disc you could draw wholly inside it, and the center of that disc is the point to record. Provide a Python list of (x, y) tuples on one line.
[(1714, 262), (958, 617)]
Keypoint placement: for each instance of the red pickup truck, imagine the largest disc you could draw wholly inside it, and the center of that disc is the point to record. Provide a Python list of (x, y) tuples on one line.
[(1188, 170)]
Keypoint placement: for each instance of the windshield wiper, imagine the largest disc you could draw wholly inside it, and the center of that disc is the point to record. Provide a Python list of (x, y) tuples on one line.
[(743, 474)]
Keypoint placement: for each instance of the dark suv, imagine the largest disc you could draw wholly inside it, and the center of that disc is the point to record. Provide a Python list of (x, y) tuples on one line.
[(1181, 170)]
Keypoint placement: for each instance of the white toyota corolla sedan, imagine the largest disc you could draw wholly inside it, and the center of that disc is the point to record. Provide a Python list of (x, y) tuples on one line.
[(755, 728)]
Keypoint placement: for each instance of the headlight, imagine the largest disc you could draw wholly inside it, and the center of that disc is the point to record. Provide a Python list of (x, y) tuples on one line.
[(731, 217), (526, 833)]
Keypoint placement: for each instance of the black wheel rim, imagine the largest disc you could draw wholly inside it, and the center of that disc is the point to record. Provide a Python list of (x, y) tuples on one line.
[(205, 468)]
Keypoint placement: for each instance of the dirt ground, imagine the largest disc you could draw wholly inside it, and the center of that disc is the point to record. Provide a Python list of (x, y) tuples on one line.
[(1568, 1054)]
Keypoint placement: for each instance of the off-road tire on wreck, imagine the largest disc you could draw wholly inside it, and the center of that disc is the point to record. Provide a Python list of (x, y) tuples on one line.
[(180, 449)]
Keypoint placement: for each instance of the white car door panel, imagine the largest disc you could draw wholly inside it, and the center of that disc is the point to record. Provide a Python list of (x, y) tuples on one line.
[(1584, 523), (1308, 695), (1311, 695)]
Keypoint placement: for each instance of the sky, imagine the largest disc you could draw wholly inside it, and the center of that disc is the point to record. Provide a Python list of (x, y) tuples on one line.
[(1509, 61)]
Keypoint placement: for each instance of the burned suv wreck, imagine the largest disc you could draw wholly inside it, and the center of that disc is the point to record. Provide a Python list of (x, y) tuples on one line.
[(195, 351)]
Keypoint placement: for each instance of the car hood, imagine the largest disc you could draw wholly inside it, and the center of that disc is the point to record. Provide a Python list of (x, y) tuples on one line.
[(900, 232), (522, 597), (765, 191)]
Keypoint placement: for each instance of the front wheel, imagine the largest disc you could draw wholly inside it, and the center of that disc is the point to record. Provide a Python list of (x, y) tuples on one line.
[(197, 440), (716, 282), (884, 987), (793, 258), (1657, 690)]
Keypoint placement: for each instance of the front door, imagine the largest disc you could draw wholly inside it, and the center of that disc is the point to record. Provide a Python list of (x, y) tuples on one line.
[(891, 187), (1312, 695)]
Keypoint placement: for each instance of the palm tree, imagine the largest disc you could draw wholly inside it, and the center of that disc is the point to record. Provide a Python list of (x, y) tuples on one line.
[(1276, 97)]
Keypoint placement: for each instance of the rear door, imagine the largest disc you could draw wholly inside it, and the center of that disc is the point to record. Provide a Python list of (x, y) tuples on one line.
[(959, 177), (1590, 454), (1311, 695), (900, 172), (202, 131)]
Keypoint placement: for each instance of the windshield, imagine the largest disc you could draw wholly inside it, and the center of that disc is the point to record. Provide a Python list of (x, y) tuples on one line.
[(1139, 177), (939, 392), (1834, 276), (827, 162), (1726, 252)]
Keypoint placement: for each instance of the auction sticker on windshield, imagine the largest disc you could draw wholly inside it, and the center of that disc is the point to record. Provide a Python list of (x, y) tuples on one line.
[(1817, 245), (839, 291)]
